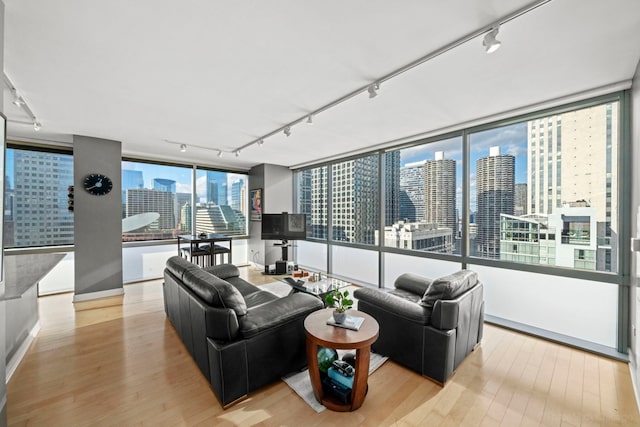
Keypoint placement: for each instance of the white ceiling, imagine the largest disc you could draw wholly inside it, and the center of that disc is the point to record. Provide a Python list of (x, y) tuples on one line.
[(222, 74)]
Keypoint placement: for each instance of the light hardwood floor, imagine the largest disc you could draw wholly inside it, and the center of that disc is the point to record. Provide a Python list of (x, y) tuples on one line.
[(118, 361)]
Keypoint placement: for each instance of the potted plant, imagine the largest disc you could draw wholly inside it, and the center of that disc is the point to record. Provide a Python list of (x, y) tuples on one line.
[(340, 302)]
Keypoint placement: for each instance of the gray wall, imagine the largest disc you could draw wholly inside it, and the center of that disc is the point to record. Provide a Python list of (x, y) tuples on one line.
[(97, 219), (634, 308), (277, 185)]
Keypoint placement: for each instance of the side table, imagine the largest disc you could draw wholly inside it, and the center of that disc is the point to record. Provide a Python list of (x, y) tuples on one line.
[(320, 334)]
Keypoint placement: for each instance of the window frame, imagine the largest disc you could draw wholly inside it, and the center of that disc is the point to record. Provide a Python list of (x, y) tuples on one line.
[(621, 277)]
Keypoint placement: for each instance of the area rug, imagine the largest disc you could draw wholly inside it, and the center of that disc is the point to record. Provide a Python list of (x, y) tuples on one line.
[(301, 384)]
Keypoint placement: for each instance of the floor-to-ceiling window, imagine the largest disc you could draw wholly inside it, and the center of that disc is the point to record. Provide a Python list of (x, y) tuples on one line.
[(423, 196), (522, 201), (544, 190)]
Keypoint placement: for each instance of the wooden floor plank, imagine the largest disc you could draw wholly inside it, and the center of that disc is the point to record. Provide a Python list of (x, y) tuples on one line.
[(118, 361)]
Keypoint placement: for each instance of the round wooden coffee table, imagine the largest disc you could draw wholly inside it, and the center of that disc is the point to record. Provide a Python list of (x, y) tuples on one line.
[(321, 334)]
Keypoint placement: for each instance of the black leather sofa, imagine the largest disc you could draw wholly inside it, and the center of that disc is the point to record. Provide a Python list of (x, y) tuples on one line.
[(241, 338), (429, 326)]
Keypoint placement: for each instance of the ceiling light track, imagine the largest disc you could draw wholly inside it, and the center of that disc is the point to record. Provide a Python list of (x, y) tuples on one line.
[(183, 147), (372, 88), (19, 102)]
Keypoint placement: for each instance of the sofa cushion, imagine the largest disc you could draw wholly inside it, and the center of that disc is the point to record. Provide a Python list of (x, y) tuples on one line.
[(449, 287), (257, 298), (413, 283), (224, 271), (178, 265), (215, 291)]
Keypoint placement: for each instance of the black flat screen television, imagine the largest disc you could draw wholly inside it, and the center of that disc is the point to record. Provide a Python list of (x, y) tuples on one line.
[(284, 226)]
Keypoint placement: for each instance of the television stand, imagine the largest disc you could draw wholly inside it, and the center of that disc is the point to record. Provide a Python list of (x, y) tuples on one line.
[(285, 249)]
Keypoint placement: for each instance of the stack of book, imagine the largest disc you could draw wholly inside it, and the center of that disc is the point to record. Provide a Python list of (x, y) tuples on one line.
[(338, 385)]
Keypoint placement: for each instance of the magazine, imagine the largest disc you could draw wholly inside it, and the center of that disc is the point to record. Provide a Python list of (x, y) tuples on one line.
[(351, 322)]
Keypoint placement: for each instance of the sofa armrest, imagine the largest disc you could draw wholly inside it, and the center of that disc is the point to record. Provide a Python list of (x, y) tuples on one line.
[(394, 304), (277, 312), (223, 271)]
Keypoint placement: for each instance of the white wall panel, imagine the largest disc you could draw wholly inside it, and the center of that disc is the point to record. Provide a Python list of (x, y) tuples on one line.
[(311, 255), (60, 278), (579, 308), (396, 264), (360, 265)]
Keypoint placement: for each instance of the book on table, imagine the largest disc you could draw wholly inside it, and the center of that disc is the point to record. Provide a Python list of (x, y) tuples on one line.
[(351, 322)]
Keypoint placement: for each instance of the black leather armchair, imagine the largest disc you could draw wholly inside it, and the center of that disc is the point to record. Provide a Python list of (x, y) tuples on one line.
[(241, 338), (428, 326)]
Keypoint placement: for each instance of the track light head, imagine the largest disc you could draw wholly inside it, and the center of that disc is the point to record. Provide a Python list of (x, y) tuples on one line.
[(310, 119), (287, 130), (373, 90), (18, 101), (260, 142), (490, 43), (237, 153), (183, 147), (219, 153), (36, 125)]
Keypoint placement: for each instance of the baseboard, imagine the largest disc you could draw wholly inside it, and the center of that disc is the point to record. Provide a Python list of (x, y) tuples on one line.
[(17, 357), (100, 294)]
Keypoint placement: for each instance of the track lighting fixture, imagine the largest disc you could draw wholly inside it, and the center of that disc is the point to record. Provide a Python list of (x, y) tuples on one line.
[(260, 142), (490, 43), (219, 153), (36, 125), (183, 147), (237, 153), (373, 90), (18, 101)]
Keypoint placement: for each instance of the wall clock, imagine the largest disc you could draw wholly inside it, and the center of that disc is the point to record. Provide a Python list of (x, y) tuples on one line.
[(97, 184)]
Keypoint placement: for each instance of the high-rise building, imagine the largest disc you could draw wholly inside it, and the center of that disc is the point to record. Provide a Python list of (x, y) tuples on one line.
[(419, 236), (183, 199), (40, 213), (392, 187), (585, 139), (520, 200), (130, 179), (142, 200), (495, 194), (412, 192), (355, 200), (217, 187), (238, 196), (185, 217), (440, 192), (213, 218), (314, 198), (164, 184)]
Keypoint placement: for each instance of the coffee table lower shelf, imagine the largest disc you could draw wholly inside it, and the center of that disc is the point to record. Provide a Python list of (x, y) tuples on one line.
[(321, 334)]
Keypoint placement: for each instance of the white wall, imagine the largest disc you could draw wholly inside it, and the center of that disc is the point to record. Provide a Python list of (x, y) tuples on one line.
[(359, 265), (311, 255), (396, 264), (578, 308), (138, 263)]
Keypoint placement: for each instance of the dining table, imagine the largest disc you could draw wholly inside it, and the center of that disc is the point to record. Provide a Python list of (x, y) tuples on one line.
[(204, 247)]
